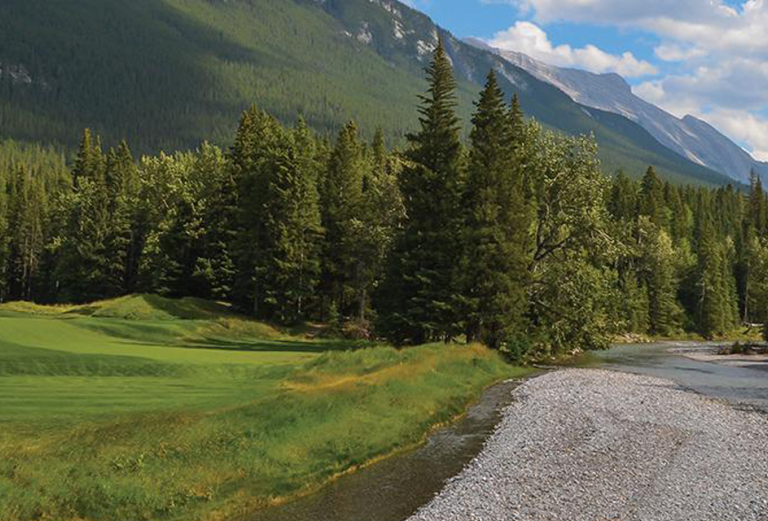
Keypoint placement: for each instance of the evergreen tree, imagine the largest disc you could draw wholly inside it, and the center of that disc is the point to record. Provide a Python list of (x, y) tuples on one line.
[(291, 253), (383, 212), (710, 284), (622, 202), (656, 264), (257, 135), (379, 151), (26, 228), (280, 225), (85, 269), (342, 204), (122, 247), (651, 202), (214, 269), (495, 263), (516, 123), (419, 300), (5, 238), (757, 205)]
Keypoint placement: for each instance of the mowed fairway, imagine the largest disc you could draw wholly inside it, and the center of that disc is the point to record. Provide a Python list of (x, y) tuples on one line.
[(66, 367), (149, 408)]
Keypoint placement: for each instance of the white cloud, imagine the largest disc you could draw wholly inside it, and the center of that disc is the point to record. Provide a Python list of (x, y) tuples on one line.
[(745, 127), (720, 54), (706, 25), (529, 38), (676, 53)]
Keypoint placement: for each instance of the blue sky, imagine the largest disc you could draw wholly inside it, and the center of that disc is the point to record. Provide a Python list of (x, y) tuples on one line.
[(708, 58)]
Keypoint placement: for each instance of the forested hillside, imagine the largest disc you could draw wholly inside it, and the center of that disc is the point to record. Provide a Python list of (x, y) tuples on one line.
[(514, 237), (168, 74)]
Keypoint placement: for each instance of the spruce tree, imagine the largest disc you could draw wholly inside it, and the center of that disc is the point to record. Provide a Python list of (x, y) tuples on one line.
[(516, 121), (26, 228), (495, 231), (280, 231), (85, 269), (290, 257), (214, 269), (419, 301), (122, 247), (5, 238), (382, 213), (622, 202), (656, 264), (379, 151), (652, 203), (710, 284), (757, 206), (257, 135), (342, 206)]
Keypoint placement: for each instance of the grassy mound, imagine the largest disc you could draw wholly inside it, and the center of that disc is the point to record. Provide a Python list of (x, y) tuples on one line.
[(132, 307), (196, 413)]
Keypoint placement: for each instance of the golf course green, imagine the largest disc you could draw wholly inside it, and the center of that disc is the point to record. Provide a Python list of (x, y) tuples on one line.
[(147, 408)]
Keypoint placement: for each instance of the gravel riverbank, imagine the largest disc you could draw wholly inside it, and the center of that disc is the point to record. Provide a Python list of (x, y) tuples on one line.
[(600, 445)]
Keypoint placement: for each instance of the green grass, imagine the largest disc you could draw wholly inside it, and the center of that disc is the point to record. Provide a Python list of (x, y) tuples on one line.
[(145, 408)]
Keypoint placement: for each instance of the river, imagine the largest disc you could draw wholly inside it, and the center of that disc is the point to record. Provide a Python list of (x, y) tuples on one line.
[(738, 385), (395, 488)]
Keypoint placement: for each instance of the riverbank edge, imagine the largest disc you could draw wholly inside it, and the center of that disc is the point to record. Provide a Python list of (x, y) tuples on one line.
[(428, 513), (641, 338), (529, 372)]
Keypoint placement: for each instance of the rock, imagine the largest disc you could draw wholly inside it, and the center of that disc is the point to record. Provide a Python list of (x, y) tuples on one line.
[(592, 444)]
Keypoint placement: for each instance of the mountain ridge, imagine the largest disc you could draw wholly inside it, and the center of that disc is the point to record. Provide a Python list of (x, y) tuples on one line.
[(172, 73), (691, 137)]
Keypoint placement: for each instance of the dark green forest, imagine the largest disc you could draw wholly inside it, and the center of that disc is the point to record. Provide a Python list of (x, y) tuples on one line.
[(186, 69), (513, 237)]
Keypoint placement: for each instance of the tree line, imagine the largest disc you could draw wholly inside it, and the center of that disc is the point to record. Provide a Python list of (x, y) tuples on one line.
[(514, 238)]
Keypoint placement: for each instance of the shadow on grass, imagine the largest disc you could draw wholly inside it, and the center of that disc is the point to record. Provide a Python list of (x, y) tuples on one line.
[(279, 346), (159, 336)]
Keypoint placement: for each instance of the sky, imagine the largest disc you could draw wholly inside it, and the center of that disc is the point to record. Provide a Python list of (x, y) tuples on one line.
[(707, 58)]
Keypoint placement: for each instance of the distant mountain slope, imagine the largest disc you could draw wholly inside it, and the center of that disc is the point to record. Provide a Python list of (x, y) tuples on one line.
[(167, 74), (689, 136)]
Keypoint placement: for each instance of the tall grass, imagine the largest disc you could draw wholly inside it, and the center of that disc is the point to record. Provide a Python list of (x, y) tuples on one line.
[(99, 422)]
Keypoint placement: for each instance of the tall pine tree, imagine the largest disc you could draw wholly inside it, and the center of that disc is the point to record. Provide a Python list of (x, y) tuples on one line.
[(419, 301), (85, 270), (651, 200), (712, 290), (5, 238), (656, 267), (342, 205), (26, 229), (757, 205), (495, 263), (280, 231)]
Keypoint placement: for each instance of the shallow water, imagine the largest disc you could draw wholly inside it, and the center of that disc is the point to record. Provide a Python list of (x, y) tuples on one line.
[(738, 385), (395, 488)]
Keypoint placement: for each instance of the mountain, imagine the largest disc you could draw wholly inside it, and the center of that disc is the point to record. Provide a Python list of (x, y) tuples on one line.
[(167, 74), (690, 137)]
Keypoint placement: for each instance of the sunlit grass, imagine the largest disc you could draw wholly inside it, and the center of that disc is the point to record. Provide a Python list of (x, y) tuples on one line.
[(145, 408)]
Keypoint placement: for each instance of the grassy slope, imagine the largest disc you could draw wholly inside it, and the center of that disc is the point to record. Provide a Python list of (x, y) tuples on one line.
[(184, 69), (146, 408)]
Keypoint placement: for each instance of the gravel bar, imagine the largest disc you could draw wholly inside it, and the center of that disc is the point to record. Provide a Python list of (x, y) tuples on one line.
[(593, 445)]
